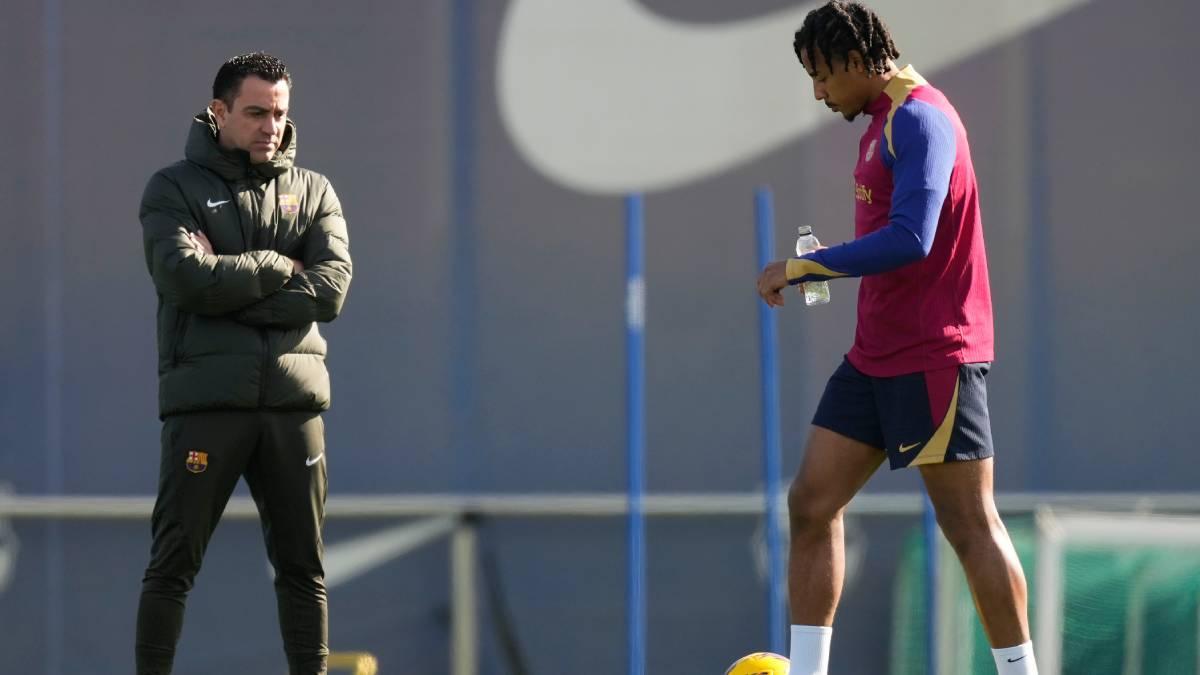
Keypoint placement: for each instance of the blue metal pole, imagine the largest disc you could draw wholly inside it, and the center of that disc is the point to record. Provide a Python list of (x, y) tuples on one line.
[(1040, 281), (53, 237), (465, 434), (764, 220), (635, 321), (930, 527)]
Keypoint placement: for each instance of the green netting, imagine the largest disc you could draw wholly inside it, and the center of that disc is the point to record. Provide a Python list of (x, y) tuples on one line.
[(1127, 611), (1134, 611)]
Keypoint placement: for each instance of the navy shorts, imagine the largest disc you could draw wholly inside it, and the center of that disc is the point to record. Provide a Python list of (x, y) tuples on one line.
[(921, 418)]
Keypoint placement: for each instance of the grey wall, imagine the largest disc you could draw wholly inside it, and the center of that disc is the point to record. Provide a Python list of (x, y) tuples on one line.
[(481, 348)]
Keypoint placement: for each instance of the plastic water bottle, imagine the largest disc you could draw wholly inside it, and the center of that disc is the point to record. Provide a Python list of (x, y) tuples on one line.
[(815, 292)]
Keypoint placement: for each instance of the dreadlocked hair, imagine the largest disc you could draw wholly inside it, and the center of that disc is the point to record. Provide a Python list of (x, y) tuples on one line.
[(839, 27)]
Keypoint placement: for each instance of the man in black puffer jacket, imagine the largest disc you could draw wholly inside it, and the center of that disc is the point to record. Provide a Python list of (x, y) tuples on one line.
[(247, 253)]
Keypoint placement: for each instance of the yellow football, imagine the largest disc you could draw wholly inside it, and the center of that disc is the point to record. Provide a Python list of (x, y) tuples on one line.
[(759, 663)]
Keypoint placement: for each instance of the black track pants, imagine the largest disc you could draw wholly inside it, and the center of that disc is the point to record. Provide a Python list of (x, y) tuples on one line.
[(281, 455)]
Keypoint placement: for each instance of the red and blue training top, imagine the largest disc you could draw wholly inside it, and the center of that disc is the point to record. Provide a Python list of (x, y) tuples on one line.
[(924, 301)]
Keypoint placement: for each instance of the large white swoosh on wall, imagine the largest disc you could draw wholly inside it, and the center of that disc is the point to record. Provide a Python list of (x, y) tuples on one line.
[(605, 96)]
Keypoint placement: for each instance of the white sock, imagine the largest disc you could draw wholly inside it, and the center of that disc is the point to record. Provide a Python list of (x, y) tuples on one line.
[(1015, 660), (810, 650)]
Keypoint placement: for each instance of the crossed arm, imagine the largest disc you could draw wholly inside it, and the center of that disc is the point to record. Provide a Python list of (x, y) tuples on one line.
[(317, 292), (260, 288)]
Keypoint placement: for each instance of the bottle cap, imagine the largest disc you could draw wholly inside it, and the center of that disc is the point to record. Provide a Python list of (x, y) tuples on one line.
[(804, 229)]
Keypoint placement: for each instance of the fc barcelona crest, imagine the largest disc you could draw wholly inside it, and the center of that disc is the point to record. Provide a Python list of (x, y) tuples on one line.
[(197, 461), (289, 204)]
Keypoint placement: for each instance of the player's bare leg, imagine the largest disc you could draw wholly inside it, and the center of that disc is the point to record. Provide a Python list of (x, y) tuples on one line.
[(833, 470), (961, 493)]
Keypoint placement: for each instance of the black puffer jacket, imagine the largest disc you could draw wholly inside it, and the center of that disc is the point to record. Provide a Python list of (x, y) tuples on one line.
[(237, 329)]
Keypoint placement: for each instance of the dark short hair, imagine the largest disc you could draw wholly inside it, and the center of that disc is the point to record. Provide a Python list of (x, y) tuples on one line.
[(839, 27), (259, 64)]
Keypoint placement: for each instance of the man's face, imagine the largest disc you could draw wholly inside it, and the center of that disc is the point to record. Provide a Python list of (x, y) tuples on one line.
[(256, 120), (844, 91)]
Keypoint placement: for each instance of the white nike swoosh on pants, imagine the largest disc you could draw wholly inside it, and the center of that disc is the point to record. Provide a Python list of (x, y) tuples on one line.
[(605, 96)]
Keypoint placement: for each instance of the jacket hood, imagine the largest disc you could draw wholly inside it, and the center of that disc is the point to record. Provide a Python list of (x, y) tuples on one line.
[(232, 165)]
